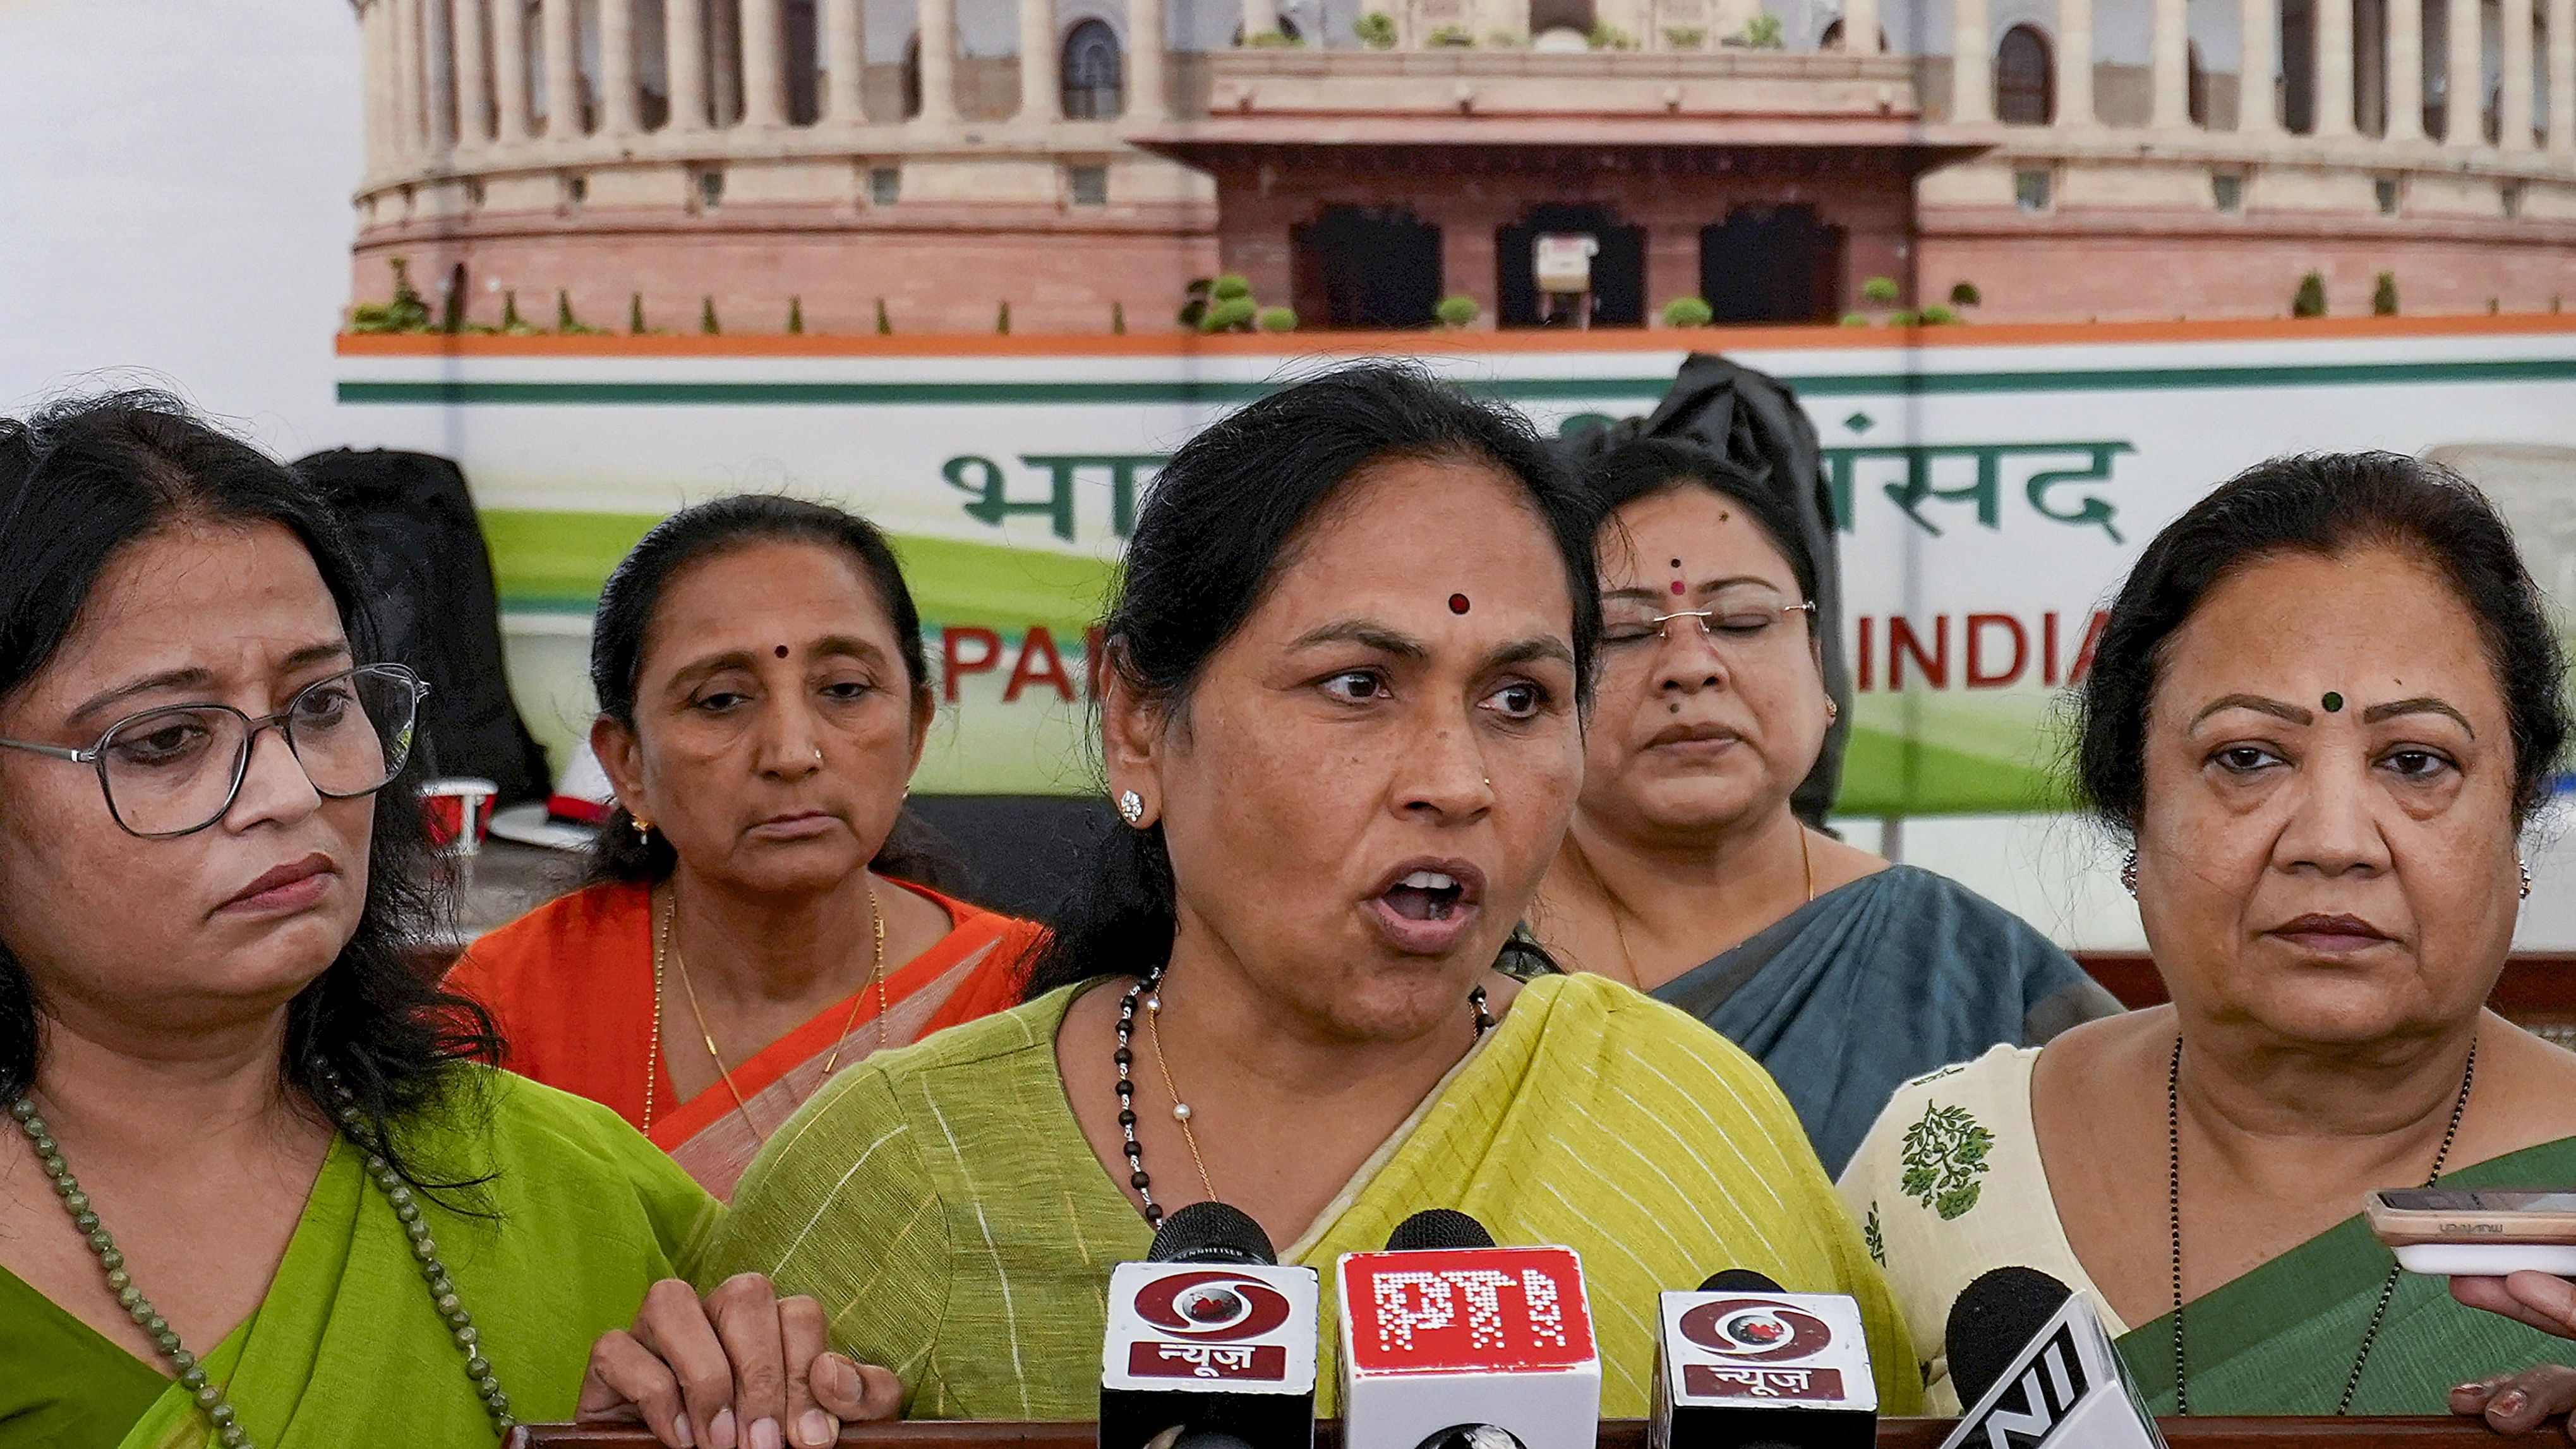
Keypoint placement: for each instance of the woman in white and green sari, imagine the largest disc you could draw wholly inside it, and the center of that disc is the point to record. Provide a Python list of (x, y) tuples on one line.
[(2324, 710)]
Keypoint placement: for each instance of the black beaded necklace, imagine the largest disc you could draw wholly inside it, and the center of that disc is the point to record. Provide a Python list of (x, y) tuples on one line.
[(1146, 989), (2173, 1206)]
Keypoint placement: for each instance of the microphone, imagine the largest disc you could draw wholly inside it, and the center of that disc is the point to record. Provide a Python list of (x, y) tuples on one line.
[(1443, 1319), (2034, 1366), (1742, 1364), (1210, 1342)]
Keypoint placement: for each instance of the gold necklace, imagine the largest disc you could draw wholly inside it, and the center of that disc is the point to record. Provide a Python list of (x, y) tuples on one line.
[(1180, 1109), (876, 978)]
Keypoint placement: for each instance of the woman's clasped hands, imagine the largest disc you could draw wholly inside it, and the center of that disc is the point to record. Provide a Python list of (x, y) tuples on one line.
[(742, 1367)]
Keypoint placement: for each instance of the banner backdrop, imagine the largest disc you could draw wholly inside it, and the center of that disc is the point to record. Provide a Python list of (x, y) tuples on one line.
[(1992, 484)]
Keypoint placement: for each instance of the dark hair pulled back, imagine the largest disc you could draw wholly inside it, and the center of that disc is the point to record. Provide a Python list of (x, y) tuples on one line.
[(1650, 466), (2323, 504), (633, 594), (80, 481), (1224, 518)]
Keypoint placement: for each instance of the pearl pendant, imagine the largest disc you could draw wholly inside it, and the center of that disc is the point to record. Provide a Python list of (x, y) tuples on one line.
[(1154, 1004), (1180, 1111)]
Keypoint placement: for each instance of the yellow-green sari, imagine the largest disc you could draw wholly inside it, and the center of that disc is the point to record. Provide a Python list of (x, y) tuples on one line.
[(943, 1205), (580, 1216)]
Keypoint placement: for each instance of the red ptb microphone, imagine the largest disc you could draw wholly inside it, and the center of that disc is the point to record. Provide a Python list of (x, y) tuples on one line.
[(1468, 1346), (1741, 1363), (1211, 1344)]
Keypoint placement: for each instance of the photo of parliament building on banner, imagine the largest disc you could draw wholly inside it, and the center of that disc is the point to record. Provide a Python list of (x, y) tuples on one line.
[(1072, 166)]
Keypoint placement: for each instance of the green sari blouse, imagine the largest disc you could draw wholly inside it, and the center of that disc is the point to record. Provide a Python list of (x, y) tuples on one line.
[(579, 1216)]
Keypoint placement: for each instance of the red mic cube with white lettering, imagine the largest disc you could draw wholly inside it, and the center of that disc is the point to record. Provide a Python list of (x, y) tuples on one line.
[(1451, 1344), (1785, 1368)]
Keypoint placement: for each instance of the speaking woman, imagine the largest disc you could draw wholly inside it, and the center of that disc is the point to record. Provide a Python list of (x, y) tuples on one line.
[(1686, 874), (2324, 709), (1347, 664), (251, 1189), (763, 701)]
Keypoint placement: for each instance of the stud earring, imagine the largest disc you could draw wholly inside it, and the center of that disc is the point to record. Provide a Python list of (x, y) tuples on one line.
[(1833, 711), (2129, 873), (643, 827), (1131, 808), (2525, 867)]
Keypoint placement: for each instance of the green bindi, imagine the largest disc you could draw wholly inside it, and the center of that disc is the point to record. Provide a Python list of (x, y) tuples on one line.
[(2333, 702)]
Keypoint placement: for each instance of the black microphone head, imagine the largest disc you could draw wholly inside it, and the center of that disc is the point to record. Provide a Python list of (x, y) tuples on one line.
[(1211, 1232), (1990, 1321), (1740, 1280), (1438, 1228)]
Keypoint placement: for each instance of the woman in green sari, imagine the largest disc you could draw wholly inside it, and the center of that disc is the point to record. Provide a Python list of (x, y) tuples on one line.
[(1344, 683), (252, 1189), (2324, 709)]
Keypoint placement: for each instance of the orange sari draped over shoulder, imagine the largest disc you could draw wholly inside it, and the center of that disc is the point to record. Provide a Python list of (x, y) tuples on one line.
[(571, 986)]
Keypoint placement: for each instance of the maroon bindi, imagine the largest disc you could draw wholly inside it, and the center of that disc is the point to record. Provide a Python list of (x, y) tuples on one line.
[(1457, 603), (782, 651)]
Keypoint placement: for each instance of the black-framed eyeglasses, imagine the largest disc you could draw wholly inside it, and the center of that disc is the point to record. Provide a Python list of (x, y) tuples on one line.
[(175, 770)]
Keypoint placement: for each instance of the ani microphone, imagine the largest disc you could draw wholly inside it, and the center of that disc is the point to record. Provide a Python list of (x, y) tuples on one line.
[(1742, 1363), (2034, 1366), (1444, 1320), (1211, 1344)]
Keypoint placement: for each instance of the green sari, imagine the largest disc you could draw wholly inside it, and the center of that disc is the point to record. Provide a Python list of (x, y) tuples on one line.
[(2281, 1339), (580, 1216)]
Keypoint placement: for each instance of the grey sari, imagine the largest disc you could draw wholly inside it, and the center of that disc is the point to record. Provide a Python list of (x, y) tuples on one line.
[(1871, 985)]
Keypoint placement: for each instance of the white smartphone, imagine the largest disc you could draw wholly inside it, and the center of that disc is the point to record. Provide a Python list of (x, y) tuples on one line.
[(2476, 1233)]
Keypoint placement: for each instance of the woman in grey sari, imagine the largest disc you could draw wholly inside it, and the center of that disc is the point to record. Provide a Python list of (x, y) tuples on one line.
[(1685, 873)]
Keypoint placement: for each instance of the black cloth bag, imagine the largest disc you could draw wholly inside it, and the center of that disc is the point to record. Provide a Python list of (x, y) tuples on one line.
[(429, 584), (1752, 420)]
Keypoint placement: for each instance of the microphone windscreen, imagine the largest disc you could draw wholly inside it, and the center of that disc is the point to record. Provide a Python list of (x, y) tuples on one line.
[(1438, 1228), (1991, 1320), (1211, 1232), (1739, 1280)]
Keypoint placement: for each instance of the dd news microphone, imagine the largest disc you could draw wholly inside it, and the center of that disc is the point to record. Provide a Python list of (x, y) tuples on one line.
[(1211, 1344), (1449, 1342), (1742, 1363), (2034, 1367)]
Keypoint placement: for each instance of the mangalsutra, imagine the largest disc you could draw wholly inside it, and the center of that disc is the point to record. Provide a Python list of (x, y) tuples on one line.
[(2173, 1206), (209, 1397), (1148, 992)]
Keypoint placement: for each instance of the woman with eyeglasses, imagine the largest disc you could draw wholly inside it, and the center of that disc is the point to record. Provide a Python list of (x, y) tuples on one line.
[(1686, 875), (253, 1187)]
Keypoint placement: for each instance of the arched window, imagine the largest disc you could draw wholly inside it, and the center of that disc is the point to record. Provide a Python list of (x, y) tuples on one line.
[(2025, 81), (1093, 85)]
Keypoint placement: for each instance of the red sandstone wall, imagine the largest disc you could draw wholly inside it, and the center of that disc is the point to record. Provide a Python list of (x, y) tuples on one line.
[(931, 282), (2133, 277)]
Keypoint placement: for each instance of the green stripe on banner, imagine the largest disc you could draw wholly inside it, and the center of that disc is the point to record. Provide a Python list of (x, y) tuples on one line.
[(549, 562), (1185, 391)]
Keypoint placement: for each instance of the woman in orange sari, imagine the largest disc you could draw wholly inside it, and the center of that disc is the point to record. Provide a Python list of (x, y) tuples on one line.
[(764, 699)]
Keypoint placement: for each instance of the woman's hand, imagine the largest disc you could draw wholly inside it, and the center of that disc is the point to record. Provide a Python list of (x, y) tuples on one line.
[(2518, 1403), (2541, 1300), (746, 1369)]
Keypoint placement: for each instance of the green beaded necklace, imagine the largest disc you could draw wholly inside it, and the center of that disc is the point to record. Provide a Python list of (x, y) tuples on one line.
[(192, 1376)]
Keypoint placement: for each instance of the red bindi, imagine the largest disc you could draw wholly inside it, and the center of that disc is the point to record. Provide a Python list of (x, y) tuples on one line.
[(1677, 586), (1457, 603)]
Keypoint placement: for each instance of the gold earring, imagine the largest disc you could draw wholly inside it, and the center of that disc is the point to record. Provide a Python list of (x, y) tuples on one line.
[(643, 827), (1833, 711)]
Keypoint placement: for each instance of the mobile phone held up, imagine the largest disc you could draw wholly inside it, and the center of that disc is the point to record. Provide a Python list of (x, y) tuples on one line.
[(2476, 1233)]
